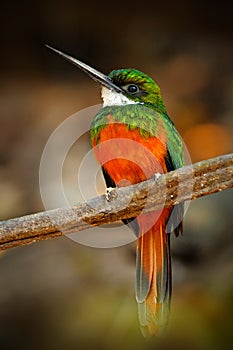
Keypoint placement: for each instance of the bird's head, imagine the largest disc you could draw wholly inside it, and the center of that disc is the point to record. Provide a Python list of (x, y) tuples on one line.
[(135, 85)]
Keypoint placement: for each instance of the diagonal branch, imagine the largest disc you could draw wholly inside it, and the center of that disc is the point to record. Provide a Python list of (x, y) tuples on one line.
[(187, 183)]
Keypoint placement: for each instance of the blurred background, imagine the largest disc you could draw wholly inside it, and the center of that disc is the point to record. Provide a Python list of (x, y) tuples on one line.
[(59, 294)]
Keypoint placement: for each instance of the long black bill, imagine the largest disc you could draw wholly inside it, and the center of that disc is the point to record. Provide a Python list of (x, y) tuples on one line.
[(93, 73)]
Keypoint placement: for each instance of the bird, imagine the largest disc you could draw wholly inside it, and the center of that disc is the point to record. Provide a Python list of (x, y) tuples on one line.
[(134, 139)]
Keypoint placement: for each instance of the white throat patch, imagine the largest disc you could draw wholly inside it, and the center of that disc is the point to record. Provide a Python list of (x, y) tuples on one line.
[(112, 98)]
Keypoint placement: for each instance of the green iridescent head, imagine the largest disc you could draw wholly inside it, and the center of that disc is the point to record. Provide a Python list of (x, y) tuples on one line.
[(137, 85)]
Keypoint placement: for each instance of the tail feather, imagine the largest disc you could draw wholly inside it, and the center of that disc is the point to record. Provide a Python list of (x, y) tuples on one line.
[(153, 279)]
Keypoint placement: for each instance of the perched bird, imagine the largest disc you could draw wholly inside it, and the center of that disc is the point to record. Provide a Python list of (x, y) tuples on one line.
[(133, 138)]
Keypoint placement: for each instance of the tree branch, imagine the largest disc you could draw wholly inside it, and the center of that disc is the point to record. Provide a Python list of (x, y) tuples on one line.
[(188, 183)]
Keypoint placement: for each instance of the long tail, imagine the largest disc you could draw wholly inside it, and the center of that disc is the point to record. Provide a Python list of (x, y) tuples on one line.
[(153, 279)]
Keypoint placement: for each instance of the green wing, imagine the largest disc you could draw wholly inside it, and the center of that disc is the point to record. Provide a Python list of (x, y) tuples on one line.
[(175, 159), (174, 144)]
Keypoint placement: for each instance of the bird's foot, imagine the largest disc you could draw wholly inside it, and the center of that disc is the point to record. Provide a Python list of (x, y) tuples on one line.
[(156, 176), (110, 193)]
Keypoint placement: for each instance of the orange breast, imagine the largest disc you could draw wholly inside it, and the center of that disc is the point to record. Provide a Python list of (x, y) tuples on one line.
[(128, 157)]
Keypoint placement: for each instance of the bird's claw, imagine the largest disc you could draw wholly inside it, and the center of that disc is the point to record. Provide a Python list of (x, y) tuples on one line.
[(156, 176), (110, 193)]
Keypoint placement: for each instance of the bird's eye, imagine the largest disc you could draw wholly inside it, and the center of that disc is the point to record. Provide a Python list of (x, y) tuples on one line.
[(132, 89)]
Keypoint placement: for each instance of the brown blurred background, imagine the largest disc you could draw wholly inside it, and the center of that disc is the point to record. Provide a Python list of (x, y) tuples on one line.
[(58, 294)]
